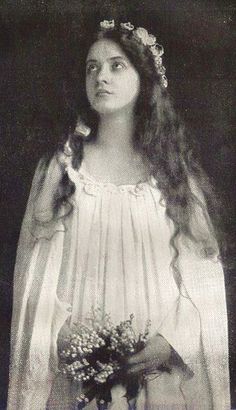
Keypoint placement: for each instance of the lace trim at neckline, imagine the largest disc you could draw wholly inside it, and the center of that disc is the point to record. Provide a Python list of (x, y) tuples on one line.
[(93, 186)]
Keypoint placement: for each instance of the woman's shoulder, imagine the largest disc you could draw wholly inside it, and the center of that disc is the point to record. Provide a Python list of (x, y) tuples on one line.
[(50, 170), (42, 223), (43, 169)]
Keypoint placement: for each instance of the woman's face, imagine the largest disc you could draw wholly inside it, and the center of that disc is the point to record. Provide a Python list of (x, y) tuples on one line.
[(112, 82)]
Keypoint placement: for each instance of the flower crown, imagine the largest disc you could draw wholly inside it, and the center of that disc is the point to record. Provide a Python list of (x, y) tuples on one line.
[(142, 36)]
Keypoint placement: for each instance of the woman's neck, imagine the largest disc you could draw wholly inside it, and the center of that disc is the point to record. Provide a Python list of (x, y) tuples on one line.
[(115, 131), (112, 158)]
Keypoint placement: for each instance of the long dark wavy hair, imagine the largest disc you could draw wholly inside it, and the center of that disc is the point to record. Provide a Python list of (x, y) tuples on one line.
[(161, 139)]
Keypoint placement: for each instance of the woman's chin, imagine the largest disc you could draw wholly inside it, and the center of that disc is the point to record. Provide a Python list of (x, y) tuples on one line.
[(108, 109), (105, 109)]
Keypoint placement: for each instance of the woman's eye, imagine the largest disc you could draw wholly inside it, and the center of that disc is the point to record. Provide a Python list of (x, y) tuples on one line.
[(117, 65), (91, 67)]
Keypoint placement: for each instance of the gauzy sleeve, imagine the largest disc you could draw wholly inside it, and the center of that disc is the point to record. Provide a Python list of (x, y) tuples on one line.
[(38, 314), (25, 246)]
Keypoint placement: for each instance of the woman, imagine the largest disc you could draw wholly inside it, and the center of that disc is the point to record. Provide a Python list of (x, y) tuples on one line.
[(118, 219)]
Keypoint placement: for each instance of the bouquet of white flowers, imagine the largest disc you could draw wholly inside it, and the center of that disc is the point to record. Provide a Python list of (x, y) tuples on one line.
[(96, 355)]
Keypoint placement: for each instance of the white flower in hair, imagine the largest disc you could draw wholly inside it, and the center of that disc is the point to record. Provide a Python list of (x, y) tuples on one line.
[(107, 24), (141, 35), (151, 40), (158, 60), (157, 50), (161, 70), (127, 26), (164, 81), (146, 38)]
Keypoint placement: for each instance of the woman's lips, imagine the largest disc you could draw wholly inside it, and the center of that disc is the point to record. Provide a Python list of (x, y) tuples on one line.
[(102, 92)]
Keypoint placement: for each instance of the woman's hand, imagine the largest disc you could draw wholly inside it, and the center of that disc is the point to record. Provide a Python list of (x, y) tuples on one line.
[(156, 353)]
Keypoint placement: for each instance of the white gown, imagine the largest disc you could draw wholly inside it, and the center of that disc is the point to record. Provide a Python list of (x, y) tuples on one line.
[(113, 251)]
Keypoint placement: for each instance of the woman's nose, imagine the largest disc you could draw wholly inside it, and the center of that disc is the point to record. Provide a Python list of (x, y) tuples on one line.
[(103, 75)]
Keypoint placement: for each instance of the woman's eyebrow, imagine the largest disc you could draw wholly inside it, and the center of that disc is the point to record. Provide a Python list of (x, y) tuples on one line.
[(93, 60), (117, 57)]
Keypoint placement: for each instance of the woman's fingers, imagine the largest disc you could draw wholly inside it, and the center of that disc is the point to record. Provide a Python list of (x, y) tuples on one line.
[(157, 349), (137, 368), (144, 367), (137, 358), (149, 352)]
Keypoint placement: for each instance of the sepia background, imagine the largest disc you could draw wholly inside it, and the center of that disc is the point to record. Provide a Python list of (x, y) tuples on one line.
[(36, 39)]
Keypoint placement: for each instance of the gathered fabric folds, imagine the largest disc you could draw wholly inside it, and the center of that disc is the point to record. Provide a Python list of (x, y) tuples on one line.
[(113, 251)]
